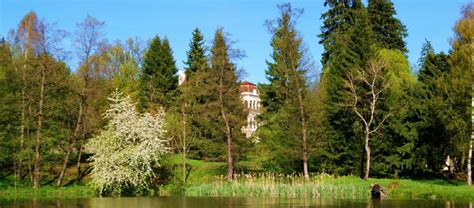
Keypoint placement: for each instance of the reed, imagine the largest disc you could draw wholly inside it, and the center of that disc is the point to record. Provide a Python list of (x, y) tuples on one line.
[(327, 186), (280, 185)]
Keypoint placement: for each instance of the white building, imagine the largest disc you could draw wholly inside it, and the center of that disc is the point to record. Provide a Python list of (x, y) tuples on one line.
[(181, 77), (251, 98)]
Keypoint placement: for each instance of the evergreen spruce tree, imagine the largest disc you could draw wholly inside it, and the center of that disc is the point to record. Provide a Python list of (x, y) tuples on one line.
[(185, 122), (195, 97), (335, 21), (196, 56), (431, 145), (158, 81), (389, 32), (285, 95), (232, 111)]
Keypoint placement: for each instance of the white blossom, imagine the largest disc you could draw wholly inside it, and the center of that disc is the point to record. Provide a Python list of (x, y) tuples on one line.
[(127, 149)]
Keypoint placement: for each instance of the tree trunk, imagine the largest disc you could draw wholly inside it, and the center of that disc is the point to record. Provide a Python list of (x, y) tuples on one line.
[(469, 158), (184, 142), (74, 136), (305, 135), (362, 157), (230, 162), (36, 177), (23, 106), (78, 165), (15, 173), (367, 152), (469, 161), (30, 171)]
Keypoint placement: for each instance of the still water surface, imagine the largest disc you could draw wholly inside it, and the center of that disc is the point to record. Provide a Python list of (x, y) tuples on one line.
[(231, 202)]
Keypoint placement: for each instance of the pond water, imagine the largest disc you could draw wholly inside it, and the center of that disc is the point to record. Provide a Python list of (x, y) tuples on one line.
[(231, 202)]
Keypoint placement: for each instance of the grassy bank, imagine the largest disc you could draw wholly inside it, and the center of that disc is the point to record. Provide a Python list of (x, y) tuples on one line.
[(326, 186), (47, 192), (206, 179)]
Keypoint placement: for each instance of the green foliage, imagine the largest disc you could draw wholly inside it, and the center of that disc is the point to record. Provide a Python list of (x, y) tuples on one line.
[(195, 97), (348, 42), (389, 32), (9, 108), (158, 80), (336, 20), (223, 82), (457, 84), (124, 68), (445, 101), (196, 56), (200, 95), (281, 145), (394, 149), (432, 145)]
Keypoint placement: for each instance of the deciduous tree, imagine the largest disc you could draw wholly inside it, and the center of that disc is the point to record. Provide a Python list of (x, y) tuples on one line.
[(366, 88), (128, 149), (89, 38)]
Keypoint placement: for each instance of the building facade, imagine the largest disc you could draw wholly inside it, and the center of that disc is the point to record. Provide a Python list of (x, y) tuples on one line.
[(251, 98)]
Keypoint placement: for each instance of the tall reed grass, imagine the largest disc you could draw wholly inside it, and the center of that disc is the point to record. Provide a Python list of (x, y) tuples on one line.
[(328, 186), (281, 185)]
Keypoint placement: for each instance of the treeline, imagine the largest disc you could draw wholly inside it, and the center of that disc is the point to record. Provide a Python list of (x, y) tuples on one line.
[(367, 113), (50, 113)]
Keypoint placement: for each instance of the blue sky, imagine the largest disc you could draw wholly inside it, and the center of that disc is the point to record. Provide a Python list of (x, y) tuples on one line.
[(243, 19)]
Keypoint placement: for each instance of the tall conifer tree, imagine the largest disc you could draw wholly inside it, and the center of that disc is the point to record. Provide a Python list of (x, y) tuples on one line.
[(432, 144), (232, 111), (196, 56), (158, 81), (194, 98), (287, 90), (389, 32)]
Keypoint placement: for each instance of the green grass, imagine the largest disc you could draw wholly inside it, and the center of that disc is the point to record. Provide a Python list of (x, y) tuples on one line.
[(201, 172), (47, 192), (22, 189)]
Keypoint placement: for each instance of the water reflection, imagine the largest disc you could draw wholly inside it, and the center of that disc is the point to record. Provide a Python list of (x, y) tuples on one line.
[(231, 202)]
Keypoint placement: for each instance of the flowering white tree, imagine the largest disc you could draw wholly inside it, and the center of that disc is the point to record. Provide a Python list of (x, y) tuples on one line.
[(126, 151)]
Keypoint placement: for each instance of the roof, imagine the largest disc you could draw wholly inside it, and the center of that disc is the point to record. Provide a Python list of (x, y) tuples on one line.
[(248, 87), (247, 83)]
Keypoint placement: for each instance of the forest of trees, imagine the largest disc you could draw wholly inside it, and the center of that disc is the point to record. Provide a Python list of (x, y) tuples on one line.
[(367, 112)]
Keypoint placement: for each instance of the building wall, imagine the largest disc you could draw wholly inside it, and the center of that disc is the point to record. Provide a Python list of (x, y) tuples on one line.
[(252, 101)]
